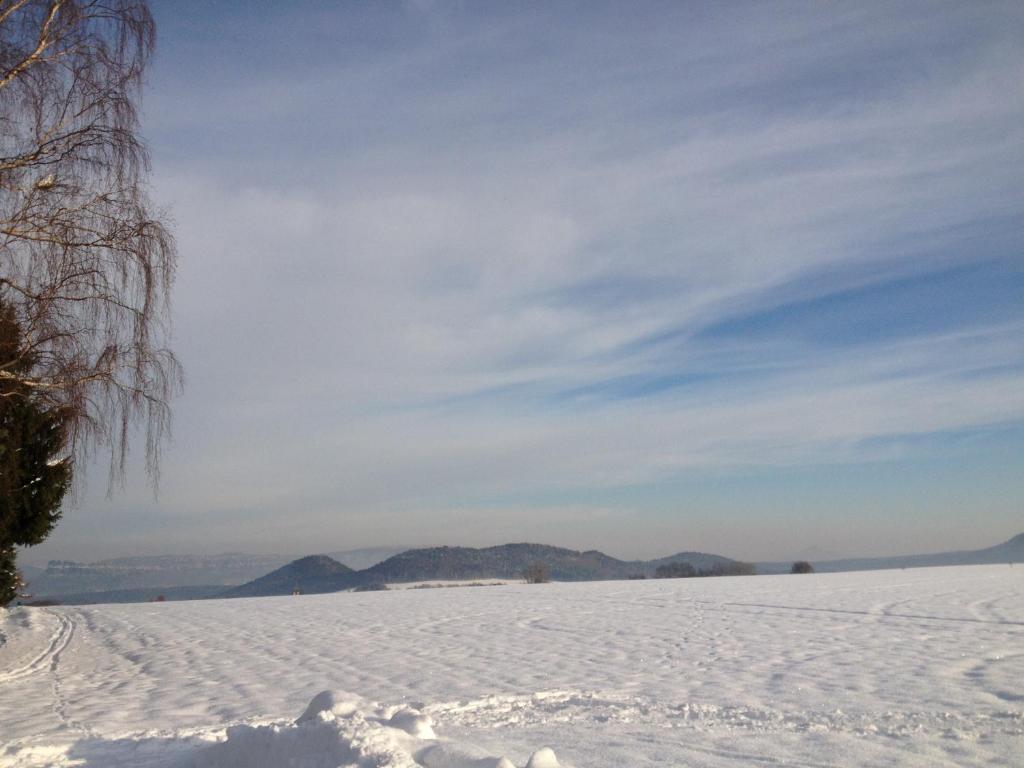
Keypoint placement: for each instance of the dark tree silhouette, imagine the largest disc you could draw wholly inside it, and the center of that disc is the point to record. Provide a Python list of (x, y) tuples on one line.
[(536, 573), (802, 566), (34, 468)]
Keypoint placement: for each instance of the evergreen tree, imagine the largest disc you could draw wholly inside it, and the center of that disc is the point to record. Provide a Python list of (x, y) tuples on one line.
[(34, 474)]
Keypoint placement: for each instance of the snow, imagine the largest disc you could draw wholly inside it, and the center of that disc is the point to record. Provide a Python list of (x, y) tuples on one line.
[(921, 667)]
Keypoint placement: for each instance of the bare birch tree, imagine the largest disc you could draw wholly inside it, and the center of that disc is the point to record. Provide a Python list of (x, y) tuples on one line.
[(86, 264)]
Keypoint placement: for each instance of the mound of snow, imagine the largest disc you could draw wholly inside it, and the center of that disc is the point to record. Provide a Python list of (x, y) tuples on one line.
[(338, 729), (543, 758), (334, 702), (413, 723)]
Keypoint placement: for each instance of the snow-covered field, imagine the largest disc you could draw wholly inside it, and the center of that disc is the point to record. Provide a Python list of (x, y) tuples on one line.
[(910, 668)]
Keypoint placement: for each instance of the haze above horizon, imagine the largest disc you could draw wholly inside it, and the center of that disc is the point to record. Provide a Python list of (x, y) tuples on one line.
[(745, 279)]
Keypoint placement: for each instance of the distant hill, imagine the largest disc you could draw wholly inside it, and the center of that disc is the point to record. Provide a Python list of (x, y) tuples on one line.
[(64, 577), (316, 573), (506, 561), (502, 562), (1010, 551)]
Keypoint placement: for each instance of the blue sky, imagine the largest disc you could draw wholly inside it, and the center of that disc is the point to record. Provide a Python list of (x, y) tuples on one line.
[(746, 278)]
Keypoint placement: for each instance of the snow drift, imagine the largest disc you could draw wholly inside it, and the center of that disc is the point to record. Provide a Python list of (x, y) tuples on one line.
[(339, 729)]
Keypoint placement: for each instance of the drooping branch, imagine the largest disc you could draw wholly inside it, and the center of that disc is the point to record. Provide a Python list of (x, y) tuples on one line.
[(86, 265)]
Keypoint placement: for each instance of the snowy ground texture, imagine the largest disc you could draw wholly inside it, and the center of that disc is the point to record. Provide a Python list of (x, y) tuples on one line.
[(910, 668)]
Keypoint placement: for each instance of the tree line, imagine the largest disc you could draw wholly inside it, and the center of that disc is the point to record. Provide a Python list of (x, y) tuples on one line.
[(684, 570)]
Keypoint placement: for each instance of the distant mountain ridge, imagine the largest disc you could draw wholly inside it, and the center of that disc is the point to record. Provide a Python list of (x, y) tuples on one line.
[(506, 561), (133, 579), (65, 577), (123, 576)]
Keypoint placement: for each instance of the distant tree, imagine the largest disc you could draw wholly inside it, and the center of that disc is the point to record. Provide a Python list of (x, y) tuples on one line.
[(678, 570), (802, 566), (536, 573)]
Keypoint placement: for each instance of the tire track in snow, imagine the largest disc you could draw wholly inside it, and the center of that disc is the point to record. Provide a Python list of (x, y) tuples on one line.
[(48, 658), (60, 702)]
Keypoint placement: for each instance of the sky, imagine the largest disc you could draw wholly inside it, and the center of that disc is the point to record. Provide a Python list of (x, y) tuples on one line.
[(645, 277)]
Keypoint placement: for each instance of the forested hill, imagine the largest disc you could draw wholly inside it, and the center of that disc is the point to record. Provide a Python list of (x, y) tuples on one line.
[(508, 561), (502, 562)]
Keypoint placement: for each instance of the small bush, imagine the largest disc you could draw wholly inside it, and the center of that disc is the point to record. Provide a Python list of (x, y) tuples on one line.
[(802, 566), (537, 573)]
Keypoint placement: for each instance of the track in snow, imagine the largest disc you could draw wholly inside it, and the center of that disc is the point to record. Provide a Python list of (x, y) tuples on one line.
[(50, 657)]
